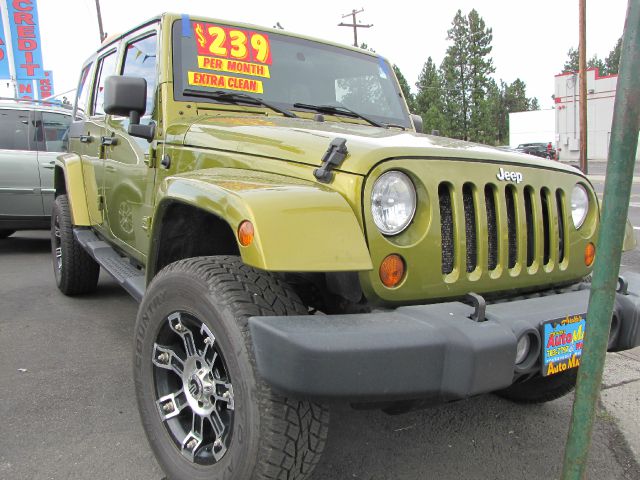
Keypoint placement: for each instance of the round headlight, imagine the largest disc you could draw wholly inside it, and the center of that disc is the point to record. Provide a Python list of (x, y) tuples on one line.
[(393, 202), (579, 205)]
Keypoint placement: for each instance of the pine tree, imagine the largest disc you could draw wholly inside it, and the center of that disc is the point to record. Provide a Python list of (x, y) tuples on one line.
[(455, 72), (613, 60), (429, 99), (573, 61), (481, 67), (534, 104), (404, 86), (595, 62)]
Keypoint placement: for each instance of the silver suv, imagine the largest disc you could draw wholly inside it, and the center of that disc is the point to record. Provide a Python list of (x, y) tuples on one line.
[(32, 134)]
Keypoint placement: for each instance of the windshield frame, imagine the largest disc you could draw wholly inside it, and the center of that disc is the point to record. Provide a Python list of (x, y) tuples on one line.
[(179, 83)]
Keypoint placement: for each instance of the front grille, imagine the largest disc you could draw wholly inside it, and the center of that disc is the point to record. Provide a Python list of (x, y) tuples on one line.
[(527, 229)]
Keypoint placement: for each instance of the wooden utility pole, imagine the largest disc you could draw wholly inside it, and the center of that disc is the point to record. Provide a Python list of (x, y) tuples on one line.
[(355, 25), (582, 54), (102, 34)]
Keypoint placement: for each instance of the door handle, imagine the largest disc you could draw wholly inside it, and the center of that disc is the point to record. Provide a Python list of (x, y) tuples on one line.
[(86, 138), (48, 166), (108, 141), (110, 168)]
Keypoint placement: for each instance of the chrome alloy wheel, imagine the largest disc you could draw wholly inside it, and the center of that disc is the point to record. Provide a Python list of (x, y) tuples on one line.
[(193, 390), (57, 244)]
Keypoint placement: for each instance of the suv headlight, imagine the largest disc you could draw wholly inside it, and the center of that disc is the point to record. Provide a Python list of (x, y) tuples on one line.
[(393, 202), (579, 205)]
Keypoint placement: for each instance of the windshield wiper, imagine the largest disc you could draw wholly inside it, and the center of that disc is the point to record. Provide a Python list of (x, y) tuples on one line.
[(232, 97), (338, 110)]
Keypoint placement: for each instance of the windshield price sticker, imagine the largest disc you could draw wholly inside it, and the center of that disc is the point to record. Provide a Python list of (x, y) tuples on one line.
[(232, 43), (562, 344), (233, 66), (212, 80)]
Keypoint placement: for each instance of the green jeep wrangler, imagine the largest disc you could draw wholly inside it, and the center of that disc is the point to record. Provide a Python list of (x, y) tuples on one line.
[(293, 240)]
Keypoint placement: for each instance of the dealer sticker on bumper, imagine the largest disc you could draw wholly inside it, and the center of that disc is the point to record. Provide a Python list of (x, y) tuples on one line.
[(562, 343)]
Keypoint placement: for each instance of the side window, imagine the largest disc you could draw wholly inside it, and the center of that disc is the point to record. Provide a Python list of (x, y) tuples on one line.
[(14, 129), (106, 68), (56, 130), (83, 93), (140, 61)]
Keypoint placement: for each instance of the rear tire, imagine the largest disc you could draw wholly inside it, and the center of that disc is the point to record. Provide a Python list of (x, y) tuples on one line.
[(541, 389), (6, 233), (192, 337), (75, 271)]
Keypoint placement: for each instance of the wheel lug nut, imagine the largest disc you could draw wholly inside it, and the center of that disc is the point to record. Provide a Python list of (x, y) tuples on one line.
[(179, 327), (208, 341), (217, 443), (226, 395), (163, 357), (168, 407), (192, 444)]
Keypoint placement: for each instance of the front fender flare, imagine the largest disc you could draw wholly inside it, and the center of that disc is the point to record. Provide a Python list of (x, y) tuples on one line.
[(299, 226)]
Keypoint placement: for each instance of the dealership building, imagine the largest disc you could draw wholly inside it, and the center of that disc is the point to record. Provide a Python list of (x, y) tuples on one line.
[(601, 92)]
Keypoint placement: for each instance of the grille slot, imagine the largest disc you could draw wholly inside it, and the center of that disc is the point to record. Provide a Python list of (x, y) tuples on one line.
[(531, 238), (546, 226), (492, 226), (470, 227), (446, 227), (560, 207), (512, 232)]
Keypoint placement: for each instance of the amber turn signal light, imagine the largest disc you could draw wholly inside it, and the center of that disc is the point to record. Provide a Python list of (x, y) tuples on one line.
[(245, 233), (589, 254), (392, 270)]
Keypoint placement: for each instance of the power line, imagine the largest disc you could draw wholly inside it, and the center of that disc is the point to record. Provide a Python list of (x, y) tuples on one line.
[(354, 24)]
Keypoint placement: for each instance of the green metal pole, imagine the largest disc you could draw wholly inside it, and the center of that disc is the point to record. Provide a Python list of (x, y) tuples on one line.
[(622, 153)]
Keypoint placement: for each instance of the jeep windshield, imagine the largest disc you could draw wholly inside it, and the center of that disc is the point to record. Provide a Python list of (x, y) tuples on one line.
[(289, 73)]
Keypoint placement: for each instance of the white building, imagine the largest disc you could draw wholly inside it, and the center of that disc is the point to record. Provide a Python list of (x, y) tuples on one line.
[(601, 91)]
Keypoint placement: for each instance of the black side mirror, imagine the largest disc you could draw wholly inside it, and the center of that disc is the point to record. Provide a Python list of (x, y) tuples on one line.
[(127, 96), (417, 122)]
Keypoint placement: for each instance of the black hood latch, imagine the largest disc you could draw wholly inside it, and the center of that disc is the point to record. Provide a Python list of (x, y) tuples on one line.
[(332, 158)]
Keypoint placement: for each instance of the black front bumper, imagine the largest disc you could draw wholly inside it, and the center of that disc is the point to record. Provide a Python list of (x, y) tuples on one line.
[(427, 351)]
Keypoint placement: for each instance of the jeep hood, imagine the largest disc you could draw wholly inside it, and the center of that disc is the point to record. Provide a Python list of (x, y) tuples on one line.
[(305, 141)]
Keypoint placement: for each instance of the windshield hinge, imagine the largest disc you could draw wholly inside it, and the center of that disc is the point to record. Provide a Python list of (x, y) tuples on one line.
[(331, 159)]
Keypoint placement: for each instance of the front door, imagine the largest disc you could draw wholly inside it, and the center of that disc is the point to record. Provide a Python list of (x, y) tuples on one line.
[(128, 176)]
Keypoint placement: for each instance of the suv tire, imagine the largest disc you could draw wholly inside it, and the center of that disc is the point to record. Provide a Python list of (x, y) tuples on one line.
[(6, 233), (75, 271), (541, 389), (202, 305)]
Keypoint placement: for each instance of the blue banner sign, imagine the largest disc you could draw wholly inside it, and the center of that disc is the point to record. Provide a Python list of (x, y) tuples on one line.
[(25, 39), (4, 57)]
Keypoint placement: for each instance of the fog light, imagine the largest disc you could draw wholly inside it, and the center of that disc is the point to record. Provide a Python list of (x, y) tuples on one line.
[(392, 270), (589, 254), (522, 350)]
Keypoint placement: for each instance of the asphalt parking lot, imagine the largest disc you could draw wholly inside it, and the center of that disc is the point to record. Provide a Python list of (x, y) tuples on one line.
[(68, 408)]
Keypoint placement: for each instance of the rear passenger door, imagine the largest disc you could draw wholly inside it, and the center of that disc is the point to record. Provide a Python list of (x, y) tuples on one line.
[(19, 177), (53, 131)]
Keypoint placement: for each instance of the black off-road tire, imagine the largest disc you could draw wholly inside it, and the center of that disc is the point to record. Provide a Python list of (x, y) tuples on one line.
[(6, 233), (272, 437), (541, 389), (75, 271)]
